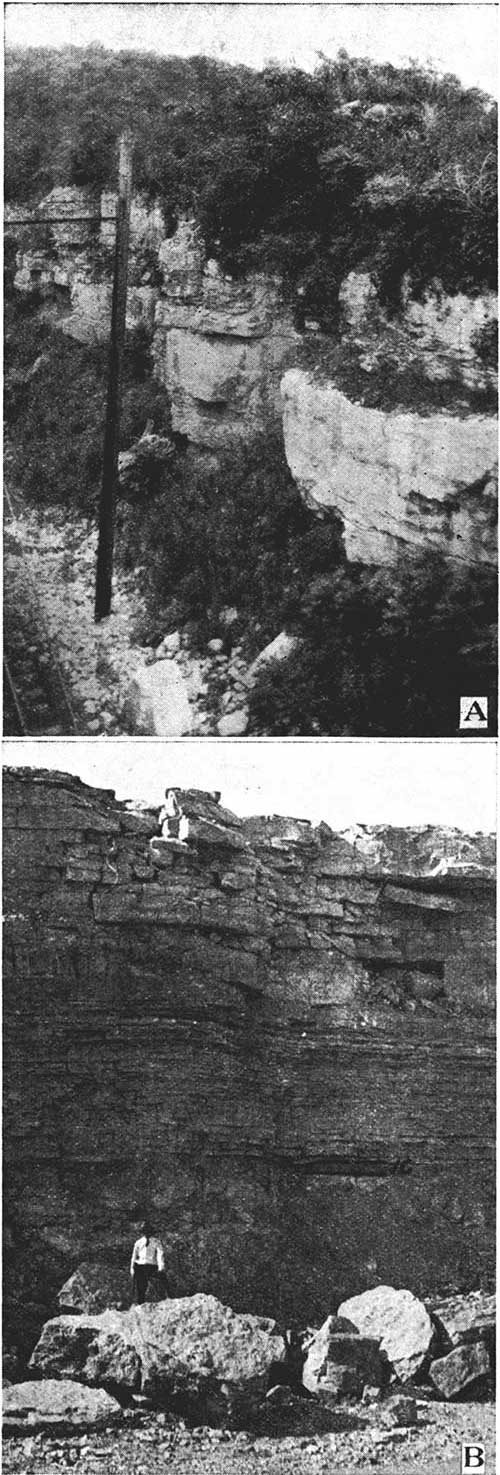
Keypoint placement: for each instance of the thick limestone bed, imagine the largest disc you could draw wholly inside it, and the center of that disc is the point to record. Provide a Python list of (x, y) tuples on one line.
[(398, 480)]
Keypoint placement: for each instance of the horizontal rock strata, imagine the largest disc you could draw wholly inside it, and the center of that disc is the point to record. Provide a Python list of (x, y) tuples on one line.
[(276, 1040), (398, 480)]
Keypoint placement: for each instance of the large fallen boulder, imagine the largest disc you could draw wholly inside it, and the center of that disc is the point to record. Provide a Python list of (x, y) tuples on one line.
[(456, 1372), (95, 1287), (464, 1319), (158, 703), (191, 1354), (401, 1323), (340, 1363), (56, 1404)]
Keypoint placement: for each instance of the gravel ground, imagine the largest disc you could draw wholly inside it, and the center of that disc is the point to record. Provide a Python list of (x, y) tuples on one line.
[(49, 578), (156, 1444)]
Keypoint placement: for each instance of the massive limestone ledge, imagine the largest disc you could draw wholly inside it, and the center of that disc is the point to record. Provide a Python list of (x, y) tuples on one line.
[(220, 348), (398, 480)]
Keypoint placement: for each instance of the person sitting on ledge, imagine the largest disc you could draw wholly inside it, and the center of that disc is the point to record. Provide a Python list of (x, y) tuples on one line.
[(147, 1263)]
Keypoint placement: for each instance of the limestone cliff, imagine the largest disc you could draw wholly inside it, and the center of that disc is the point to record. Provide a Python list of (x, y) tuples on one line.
[(397, 479), (277, 1039)]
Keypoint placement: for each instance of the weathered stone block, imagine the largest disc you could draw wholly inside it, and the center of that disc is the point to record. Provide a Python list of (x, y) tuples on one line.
[(454, 1373)]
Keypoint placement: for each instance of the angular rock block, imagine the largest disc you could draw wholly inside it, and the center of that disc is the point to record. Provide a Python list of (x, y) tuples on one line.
[(399, 1410), (56, 1404), (454, 1373), (158, 703), (191, 1354), (95, 1287), (340, 1363), (401, 1323), (465, 1319)]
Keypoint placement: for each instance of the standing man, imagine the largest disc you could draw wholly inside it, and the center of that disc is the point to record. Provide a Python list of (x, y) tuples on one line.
[(148, 1262)]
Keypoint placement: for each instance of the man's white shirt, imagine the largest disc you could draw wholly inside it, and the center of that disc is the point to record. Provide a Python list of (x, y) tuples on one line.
[(148, 1252)]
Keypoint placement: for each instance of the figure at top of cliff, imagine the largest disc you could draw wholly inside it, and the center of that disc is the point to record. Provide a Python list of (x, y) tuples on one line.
[(174, 825), (147, 1263)]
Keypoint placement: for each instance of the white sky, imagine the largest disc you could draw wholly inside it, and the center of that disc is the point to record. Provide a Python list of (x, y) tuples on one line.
[(341, 781), (456, 37)]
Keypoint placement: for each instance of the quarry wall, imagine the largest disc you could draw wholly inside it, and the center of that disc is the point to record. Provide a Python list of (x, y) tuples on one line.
[(222, 347), (276, 1039)]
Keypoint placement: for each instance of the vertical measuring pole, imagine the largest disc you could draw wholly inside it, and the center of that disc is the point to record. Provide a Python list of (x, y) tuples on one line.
[(104, 574)]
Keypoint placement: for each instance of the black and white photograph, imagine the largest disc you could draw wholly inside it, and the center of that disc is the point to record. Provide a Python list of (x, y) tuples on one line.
[(250, 370), (249, 1126)]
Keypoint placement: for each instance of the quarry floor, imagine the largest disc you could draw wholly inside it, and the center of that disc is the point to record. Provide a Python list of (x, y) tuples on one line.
[(433, 1447), (68, 674)]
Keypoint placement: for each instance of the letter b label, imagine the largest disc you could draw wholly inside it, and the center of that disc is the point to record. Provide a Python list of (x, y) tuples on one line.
[(472, 1458)]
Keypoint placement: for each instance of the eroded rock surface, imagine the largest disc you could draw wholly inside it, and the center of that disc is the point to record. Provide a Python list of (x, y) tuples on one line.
[(398, 480)]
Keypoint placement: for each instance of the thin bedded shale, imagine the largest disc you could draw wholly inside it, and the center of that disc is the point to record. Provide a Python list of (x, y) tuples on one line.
[(275, 1039)]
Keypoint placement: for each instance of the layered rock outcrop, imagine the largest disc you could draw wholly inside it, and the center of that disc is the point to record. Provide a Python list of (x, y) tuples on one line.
[(220, 345), (275, 1039), (398, 480)]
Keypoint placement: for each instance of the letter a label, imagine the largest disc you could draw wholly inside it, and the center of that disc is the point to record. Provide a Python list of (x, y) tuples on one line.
[(473, 713)]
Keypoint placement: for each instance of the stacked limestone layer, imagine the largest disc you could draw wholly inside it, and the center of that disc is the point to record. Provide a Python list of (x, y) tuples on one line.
[(277, 1039)]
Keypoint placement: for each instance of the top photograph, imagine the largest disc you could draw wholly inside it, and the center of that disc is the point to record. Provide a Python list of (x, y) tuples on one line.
[(250, 370)]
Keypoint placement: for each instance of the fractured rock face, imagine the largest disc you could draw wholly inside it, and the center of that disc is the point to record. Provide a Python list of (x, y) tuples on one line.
[(56, 1403), (191, 1353), (397, 480), (220, 345), (399, 1320), (341, 1363)]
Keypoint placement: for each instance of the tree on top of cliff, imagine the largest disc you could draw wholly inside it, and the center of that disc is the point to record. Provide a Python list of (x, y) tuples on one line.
[(274, 164)]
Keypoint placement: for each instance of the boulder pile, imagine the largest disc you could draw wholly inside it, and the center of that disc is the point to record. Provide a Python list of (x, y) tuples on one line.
[(201, 1360)]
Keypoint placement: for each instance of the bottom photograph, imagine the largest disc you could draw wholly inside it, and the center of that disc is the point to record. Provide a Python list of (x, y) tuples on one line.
[(249, 1106)]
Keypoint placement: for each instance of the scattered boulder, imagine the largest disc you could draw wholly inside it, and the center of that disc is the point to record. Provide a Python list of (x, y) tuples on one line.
[(55, 1404), (157, 703), (191, 1354), (169, 646), (340, 1363), (399, 1320), (95, 1287), (454, 1373), (278, 649), (234, 724), (399, 1410)]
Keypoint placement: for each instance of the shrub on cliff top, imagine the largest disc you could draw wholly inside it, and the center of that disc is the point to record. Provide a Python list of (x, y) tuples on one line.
[(271, 164)]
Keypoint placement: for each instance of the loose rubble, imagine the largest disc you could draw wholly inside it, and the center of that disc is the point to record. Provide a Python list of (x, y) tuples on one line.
[(115, 684)]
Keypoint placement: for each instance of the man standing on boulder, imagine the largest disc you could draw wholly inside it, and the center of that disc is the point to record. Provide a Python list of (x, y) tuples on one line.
[(148, 1262)]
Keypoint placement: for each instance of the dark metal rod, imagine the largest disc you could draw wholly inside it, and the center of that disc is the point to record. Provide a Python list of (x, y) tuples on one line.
[(104, 574)]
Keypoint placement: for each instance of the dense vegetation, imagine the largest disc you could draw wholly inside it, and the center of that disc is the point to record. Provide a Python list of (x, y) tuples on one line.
[(287, 171), (280, 168), (382, 652)]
